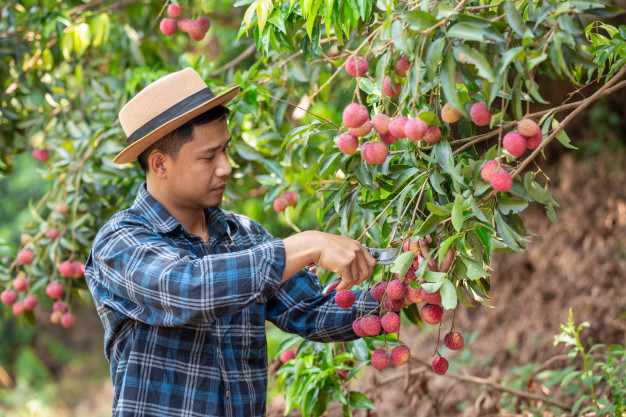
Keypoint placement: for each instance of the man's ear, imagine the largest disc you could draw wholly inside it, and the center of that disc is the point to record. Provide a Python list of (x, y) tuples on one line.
[(158, 164)]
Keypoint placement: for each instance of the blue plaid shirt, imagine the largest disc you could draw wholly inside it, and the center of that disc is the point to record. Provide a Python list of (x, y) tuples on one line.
[(185, 323)]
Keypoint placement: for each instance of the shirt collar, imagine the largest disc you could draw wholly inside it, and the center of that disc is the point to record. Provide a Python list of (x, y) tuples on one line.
[(163, 222)]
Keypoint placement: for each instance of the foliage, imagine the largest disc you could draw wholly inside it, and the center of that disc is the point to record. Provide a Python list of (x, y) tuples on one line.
[(66, 69)]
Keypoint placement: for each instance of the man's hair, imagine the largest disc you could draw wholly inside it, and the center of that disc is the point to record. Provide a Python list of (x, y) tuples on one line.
[(171, 143)]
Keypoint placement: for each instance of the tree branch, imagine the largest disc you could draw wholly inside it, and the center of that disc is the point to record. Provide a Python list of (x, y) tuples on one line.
[(244, 55)]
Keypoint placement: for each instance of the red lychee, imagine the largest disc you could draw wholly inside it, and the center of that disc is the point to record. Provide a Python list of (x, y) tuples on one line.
[(20, 284), (390, 88), (450, 114), (291, 197), (8, 297), (78, 269), (55, 317), (396, 127), (25, 257), (378, 290), (528, 127), (53, 233), (394, 305), (370, 325), (414, 296), (381, 359), (362, 130), (167, 26), (440, 365), (514, 143), (431, 298), (433, 134), (432, 313), (174, 11), (345, 298), (480, 114), (533, 142), (380, 122), (68, 320), (182, 24), (205, 23), (415, 129), (400, 354), (30, 302), (409, 276), (54, 290), (387, 138), (453, 340), (195, 30), (41, 154), (347, 144), (390, 322), (489, 168), (62, 208), (280, 204), (354, 115), (18, 309), (501, 181), (60, 306), (402, 66), (356, 66), (66, 269), (287, 355), (374, 153), (356, 326), (396, 290), (409, 245)]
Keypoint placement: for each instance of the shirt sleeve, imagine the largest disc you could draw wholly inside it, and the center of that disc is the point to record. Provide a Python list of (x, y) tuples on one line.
[(136, 272), (299, 307)]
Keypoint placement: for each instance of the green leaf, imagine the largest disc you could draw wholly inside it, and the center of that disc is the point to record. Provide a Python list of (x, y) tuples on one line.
[(419, 20), (562, 136), (507, 234), (466, 55), (448, 295), (432, 276), (429, 226), (462, 297), (509, 205), (474, 270), (364, 175), (443, 248), (413, 315), (359, 400), (358, 348), (477, 211), (448, 83), (433, 56), (431, 287), (457, 216), (437, 209), (402, 263), (466, 32), (514, 18)]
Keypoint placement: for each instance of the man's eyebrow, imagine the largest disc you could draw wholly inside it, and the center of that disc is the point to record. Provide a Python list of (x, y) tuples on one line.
[(214, 148)]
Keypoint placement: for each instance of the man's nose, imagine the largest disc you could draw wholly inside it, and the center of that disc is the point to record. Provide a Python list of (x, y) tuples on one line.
[(223, 168)]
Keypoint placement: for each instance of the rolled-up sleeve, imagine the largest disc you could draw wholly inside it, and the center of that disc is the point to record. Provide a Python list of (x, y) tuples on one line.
[(137, 273)]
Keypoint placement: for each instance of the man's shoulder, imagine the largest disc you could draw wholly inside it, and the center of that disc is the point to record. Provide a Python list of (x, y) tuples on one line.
[(244, 223), (123, 220)]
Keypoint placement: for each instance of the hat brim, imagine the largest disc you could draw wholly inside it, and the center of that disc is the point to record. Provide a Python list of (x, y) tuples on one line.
[(132, 151)]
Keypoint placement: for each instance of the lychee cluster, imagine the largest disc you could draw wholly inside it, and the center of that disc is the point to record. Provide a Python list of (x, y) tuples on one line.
[(289, 198), (195, 28), (527, 136), (496, 174)]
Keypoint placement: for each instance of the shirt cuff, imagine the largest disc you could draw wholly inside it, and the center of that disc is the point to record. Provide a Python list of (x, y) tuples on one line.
[(271, 256)]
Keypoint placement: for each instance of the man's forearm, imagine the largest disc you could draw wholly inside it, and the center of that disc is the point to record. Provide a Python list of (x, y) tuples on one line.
[(300, 250)]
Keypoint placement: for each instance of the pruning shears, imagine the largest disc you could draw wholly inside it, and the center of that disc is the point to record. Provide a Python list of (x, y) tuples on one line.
[(383, 256)]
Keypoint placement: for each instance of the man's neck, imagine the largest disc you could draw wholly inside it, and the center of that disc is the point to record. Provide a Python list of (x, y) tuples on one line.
[(191, 218)]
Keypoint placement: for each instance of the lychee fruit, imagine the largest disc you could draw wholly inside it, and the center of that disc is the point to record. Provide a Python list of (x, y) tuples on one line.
[(8, 297), (480, 114), (182, 24), (432, 313), (450, 114), (433, 134), (533, 142), (409, 245), (501, 181), (195, 31), (440, 365), (409, 276), (431, 298), (356, 326), (374, 153), (55, 317), (400, 354), (280, 204), (41, 154), (66, 269), (205, 23), (394, 305), (78, 269), (168, 26), (20, 284), (528, 127), (30, 302), (362, 130), (287, 355), (380, 122), (18, 309), (489, 168), (62, 208), (347, 144), (415, 129), (345, 298), (356, 66), (396, 127), (514, 143), (60, 306), (381, 359), (370, 325), (174, 11), (355, 114), (53, 233), (291, 197), (378, 290), (390, 322), (68, 320), (387, 138), (25, 257), (396, 290), (453, 340), (402, 66), (54, 290), (414, 296), (390, 88)]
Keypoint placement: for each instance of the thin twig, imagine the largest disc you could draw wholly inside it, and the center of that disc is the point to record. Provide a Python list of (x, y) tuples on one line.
[(295, 105)]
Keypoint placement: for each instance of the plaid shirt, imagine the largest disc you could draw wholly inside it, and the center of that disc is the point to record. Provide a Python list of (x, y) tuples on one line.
[(185, 323)]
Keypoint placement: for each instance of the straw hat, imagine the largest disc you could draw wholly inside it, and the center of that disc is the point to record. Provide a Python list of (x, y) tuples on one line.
[(163, 106)]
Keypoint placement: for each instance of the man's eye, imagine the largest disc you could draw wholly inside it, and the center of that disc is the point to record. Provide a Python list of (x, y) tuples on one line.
[(210, 158)]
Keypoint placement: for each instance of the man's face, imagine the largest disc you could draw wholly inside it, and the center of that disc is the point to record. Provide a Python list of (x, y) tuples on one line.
[(198, 176)]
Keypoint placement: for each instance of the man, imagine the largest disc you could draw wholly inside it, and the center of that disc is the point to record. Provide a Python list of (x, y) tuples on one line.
[(183, 287)]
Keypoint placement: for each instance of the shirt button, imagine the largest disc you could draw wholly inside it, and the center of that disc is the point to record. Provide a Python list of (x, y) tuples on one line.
[(218, 350), (228, 393)]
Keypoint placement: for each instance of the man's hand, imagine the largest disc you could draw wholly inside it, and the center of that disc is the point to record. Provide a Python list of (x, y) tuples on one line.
[(344, 256)]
